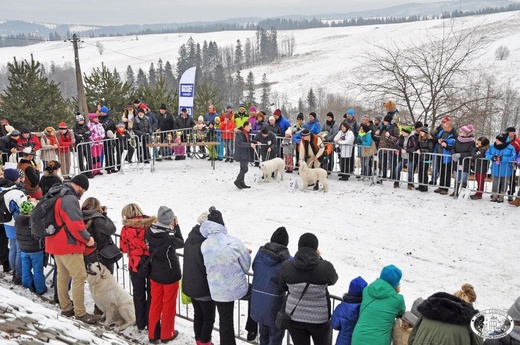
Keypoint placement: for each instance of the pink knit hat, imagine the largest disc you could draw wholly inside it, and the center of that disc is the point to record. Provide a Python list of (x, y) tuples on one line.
[(92, 116), (467, 129), (253, 108)]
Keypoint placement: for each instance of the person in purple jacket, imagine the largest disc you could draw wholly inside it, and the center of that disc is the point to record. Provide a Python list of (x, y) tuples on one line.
[(346, 314)]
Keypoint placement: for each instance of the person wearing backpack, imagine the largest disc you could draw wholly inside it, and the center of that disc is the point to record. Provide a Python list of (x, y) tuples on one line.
[(68, 245), (101, 228), (31, 251), (12, 198)]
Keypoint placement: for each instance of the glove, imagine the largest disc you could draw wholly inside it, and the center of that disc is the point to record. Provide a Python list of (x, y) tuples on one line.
[(455, 156), (496, 158)]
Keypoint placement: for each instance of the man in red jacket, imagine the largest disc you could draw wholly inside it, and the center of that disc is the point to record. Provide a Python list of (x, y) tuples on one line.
[(68, 246)]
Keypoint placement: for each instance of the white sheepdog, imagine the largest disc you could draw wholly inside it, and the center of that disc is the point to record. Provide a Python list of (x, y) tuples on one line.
[(310, 176), (276, 165), (114, 301)]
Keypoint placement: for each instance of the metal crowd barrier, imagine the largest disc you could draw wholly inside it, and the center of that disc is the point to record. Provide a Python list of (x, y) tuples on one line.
[(441, 172), (185, 311)]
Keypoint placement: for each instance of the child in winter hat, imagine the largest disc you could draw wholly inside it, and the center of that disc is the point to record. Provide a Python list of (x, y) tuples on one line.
[(346, 314), (215, 216)]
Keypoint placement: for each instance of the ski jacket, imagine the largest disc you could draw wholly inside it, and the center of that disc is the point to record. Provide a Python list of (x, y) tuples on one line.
[(194, 280), (26, 242), (165, 266), (381, 305), (266, 295), (73, 236), (308, 267), (504, 166), (242, 151), (132, 239), (227, 261), (31, 141)]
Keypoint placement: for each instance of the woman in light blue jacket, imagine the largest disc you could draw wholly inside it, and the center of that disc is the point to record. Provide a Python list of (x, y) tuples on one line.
[(227, 261)]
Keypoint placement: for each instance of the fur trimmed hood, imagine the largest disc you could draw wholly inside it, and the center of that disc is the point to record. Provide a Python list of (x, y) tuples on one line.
[(140, 222), (447, 308)]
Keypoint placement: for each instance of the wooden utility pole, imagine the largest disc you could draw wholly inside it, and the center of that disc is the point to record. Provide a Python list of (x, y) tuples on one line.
[(82, 98)]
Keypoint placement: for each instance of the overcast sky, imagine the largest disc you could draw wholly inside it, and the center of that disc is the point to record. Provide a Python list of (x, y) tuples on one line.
[(116, 12)]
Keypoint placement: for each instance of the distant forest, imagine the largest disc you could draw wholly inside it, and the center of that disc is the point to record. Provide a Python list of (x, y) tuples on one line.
[(266, 24)]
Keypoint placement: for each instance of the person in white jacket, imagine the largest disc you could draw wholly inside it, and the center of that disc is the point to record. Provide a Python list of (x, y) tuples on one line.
[(344, 141), (227, 261)]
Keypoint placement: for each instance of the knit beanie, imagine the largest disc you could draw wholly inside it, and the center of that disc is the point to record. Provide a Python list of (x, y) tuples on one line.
[(165, 216), (308, 240), (62, 125), (81, 180), (407, 129), (392, 275), (502, 138), (11, 174), (104, 109), (26, 207), (216, 216), (387, 118), (280, 236), (467, 129)]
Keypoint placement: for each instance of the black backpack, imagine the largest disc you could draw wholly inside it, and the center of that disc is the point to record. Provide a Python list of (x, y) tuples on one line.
[(43, 223), (5, 215)]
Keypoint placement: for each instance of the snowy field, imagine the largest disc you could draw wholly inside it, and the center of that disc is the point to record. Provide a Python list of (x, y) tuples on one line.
[(438, 242), (324, 58)]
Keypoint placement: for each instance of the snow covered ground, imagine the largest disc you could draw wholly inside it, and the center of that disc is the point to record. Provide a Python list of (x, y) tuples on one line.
[(325, 57), (438, 242)]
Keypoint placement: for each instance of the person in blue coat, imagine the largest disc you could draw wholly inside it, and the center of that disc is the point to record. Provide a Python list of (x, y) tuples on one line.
[(313, 125), (346, 314), (266, 296), (502, 155)]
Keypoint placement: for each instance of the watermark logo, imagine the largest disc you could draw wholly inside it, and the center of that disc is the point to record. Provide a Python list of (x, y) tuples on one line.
[(492, 324)]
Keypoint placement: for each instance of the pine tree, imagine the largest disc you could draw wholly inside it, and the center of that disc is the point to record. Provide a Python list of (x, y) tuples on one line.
[(207, 93), (160, 68), (157, 94), (239, 86), (273, 38), (248, 56), (239, 55), (171, 83), (301, 106), (141, 81), (220, 77), (31, 99), (130, 78), (152, 76), (205, 58), (250, 88), (311, 100), (116, 74), (182, 61), (102, 86), (266, 90)]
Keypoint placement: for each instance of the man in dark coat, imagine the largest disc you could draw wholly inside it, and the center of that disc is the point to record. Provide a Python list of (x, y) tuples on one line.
[(195, 284), (242, 154), (166, 124), (143, 130), (185, 123), (108, 124)]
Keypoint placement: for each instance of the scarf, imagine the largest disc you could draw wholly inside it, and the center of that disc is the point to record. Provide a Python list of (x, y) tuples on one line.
[(246, 133), (121, 131), (501, 146), (465, 139)]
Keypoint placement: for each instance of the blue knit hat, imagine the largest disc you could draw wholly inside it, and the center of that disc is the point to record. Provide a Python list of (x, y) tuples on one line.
[(104, 109), (392, 275)]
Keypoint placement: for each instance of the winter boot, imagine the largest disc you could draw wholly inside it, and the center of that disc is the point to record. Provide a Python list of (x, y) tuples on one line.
[(456, 190), (396, 184), (7, 267), (516, 202), (17, 280)]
